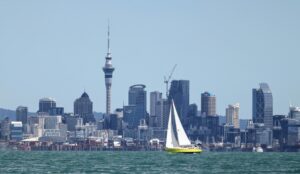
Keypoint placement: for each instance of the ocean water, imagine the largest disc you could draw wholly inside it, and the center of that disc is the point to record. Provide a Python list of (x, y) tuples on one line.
[(147, 162)]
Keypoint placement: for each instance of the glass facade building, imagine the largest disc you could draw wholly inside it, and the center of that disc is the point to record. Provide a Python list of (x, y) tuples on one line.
[(180, 93), (137, 98), (21, 114), (262, 105), (45, 104)]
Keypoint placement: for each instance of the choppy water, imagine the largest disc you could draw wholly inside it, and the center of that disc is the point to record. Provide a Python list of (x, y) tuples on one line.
[(147, 162)]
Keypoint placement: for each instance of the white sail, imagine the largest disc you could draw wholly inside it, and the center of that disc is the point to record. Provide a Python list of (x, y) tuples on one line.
[(181, 135), (171, 139)]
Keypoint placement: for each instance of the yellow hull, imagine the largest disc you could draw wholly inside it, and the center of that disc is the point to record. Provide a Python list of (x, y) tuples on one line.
[(183, 150)]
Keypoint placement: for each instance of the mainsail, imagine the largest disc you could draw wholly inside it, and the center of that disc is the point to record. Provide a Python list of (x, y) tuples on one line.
[(171, 139)]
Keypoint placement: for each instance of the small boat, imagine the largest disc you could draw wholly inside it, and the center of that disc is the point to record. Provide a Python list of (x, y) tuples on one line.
[(177, 141), (258, 149)]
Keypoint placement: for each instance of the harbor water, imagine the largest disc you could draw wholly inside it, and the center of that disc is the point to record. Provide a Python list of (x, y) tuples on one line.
[(147, 162)]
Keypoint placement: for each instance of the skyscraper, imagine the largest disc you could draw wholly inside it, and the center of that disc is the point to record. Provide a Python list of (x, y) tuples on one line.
[(180, 93), (45, 105), (294, 112), (262, 105), (129, 116), (162, 113), (83, 107), (21, 114), (155, 96), (208, 104), (232, 115), (137, 96), (108, 70)]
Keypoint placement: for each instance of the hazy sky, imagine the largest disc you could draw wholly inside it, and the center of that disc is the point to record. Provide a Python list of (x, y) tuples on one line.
[(57, 49)]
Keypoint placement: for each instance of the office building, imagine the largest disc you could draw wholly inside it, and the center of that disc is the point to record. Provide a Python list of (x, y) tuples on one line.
[(52, 122), (83, 107), (45, 105), (16, 131), (162, 112), (21, 114), (212, 124), (155, 96), (120, 115), (294, 112), (231, 134), (73, 121), (129, 116), (262, 105), (232, 115), (180, 93), (208, 104), (56, 111), (290, 133), (5, 129), (137, 96)]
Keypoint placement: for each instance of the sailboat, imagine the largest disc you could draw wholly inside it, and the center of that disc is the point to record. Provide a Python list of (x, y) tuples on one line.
[(177, 141)]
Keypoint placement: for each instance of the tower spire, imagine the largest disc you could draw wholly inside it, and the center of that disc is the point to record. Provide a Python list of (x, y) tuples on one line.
[(108, 38)]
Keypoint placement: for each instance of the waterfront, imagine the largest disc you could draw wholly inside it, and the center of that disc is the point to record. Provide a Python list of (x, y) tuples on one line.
[(147, 162)]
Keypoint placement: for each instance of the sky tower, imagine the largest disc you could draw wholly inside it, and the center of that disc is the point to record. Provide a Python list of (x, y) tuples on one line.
[(108, 70)]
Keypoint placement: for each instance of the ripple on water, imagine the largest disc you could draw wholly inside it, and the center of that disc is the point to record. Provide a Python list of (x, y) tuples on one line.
[(147, 162)]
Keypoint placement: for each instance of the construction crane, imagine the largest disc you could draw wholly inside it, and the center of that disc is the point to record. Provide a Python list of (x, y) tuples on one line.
[(167, 80)]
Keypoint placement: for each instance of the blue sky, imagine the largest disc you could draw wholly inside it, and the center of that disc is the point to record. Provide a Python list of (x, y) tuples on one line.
[(57, 49)]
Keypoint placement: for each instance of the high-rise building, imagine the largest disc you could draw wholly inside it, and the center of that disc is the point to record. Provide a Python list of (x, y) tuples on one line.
[(193, 110), (45, 105), (5, 129), (129, 116), (262, 105), (155, 96), (108, 70), (137, 96), (21, 114), (208, 104), (83, 107), (232, 115), (294, 112), (162, 113), (180, 93)]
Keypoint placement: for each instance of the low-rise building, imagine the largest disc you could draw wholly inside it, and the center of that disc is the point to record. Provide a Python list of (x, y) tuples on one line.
[(16, 131)]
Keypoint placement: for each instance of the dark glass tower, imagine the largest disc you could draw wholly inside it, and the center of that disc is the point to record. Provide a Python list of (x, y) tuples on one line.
[(83, 107), (262, 105), (180, 93), (45, 105), (21, 114), (137, 97)]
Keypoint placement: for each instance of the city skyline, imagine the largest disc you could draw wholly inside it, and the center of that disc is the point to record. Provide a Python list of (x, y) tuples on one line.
[(42, 56)]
